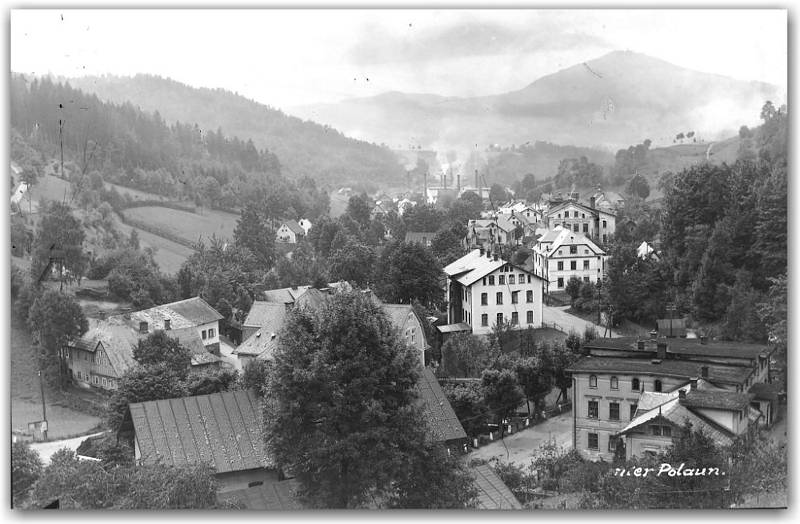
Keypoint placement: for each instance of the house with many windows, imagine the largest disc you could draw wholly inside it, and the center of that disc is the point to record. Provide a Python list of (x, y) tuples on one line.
[(105, 352), (608, 383), (595, 223), (484, 290), (562, 254)]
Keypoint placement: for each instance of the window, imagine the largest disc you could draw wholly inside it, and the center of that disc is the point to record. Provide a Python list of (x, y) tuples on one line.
[(499, 298), (592, 381), (484, 281), (529, 296), (211, 333), (529, 317), (655, 431), (575, 214), (484, 299), (514, 318), (593, 410), (573, 250), (604, 224), (635, 384), (491, 280), (633, 411), (613, 442), (613, 411), (515, 297), (585, 227), (594, 442), (501, 280), (499, 319), (576, 228), (105, 384), (529, 279), (484, 319), (96, 380), (585, 264), (586, 279), (511, 279), (573, 265), (614, 383), (521, 278), (560, 265), (657, 386), (605, 238), (204, 333), (666, 431), (560, 283)]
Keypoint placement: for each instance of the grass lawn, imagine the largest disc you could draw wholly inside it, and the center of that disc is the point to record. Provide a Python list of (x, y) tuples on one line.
[(188, 226), (169, 255)]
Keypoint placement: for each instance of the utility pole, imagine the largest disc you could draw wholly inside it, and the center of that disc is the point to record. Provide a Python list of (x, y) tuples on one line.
[(44, 407)]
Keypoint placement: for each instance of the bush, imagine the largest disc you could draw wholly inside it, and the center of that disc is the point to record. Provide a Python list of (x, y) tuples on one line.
[(26, 468)]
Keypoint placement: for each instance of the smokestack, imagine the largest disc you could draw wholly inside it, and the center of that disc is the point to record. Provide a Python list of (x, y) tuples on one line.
[(703, 339), (458, 183), (425, 187), (476, 182)]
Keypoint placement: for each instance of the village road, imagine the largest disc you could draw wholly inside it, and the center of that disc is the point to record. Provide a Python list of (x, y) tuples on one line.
[(568, 322)]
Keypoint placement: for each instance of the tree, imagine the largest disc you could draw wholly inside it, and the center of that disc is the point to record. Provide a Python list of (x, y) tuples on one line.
[(573, 287), (80, 484), (446, 245), (497, 194), (26, 468), (470, 407), (159, 348), (406, 272), (434, 480), (536, 382), (561, 358), (343, 416), (58, 235), (255, 376), (638, 186), (56, 319), (359, 209), (465, 355), (207, 382), (352, 263), (502, 393), (142, 384), (254, 233)]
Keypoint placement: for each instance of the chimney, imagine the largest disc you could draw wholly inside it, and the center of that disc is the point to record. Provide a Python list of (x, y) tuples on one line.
[(704, 371), (693, 384), (653, 335), (494, 257), (661, 350), (167, 324), (142, 327), (101, 315), (592, 202), (703, 339), (481, 248), (640, 345), (682, 394), (272, 336)]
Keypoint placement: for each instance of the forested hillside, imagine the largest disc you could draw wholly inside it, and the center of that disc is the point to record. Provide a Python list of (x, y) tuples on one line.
[(304, 148)]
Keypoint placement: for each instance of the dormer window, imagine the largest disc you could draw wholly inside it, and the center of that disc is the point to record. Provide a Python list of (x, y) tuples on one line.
[(592, 381)]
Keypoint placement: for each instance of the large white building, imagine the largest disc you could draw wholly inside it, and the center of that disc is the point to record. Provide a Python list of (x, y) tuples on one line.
[(562, 254), (593, 222), (484, 290)]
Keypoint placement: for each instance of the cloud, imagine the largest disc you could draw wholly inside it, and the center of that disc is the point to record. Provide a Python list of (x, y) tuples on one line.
[(468, 37)]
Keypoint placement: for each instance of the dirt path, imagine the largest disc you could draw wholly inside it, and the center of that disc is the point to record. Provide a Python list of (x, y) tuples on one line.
[(568, 322), (521, 447)]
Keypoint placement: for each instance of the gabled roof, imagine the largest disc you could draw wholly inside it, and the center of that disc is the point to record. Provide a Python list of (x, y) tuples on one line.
[(684, 369), (473, 266), (678, 414), (286, 295), (223, 430), (271, 496), (565, 237), (442, 420), (269, 315), (763, 391), (419, 237), (399, 314), (724, 400), (195, 310), (493, 494), (312, 298), (293, 226), (262, 342)]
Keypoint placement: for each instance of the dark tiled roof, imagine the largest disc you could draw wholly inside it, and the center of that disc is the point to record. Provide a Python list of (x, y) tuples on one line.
[(763, 391), (441, 418), (267, 315), (686, 369), (294, 227), (259, 342), (221, 429), (195, 310), (275, 496), (727, 400), (420, 237), (492, 492), (399, 314), (286, 295), (684, 346), (313, 298)]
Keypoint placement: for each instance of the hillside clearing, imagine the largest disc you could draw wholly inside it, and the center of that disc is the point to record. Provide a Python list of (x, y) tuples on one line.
[(189, 227)]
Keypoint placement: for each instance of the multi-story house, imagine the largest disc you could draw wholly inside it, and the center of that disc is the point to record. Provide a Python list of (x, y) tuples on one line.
[(484, 290), (289, 232), (562, 254), (497, 231), (105, 352), (609, 380), (597, 224)]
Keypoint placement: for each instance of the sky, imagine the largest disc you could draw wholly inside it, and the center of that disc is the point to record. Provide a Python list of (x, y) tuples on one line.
[(291, 58)]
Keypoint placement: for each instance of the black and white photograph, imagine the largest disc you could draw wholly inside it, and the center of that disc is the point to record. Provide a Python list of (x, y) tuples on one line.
[(376, 259)]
